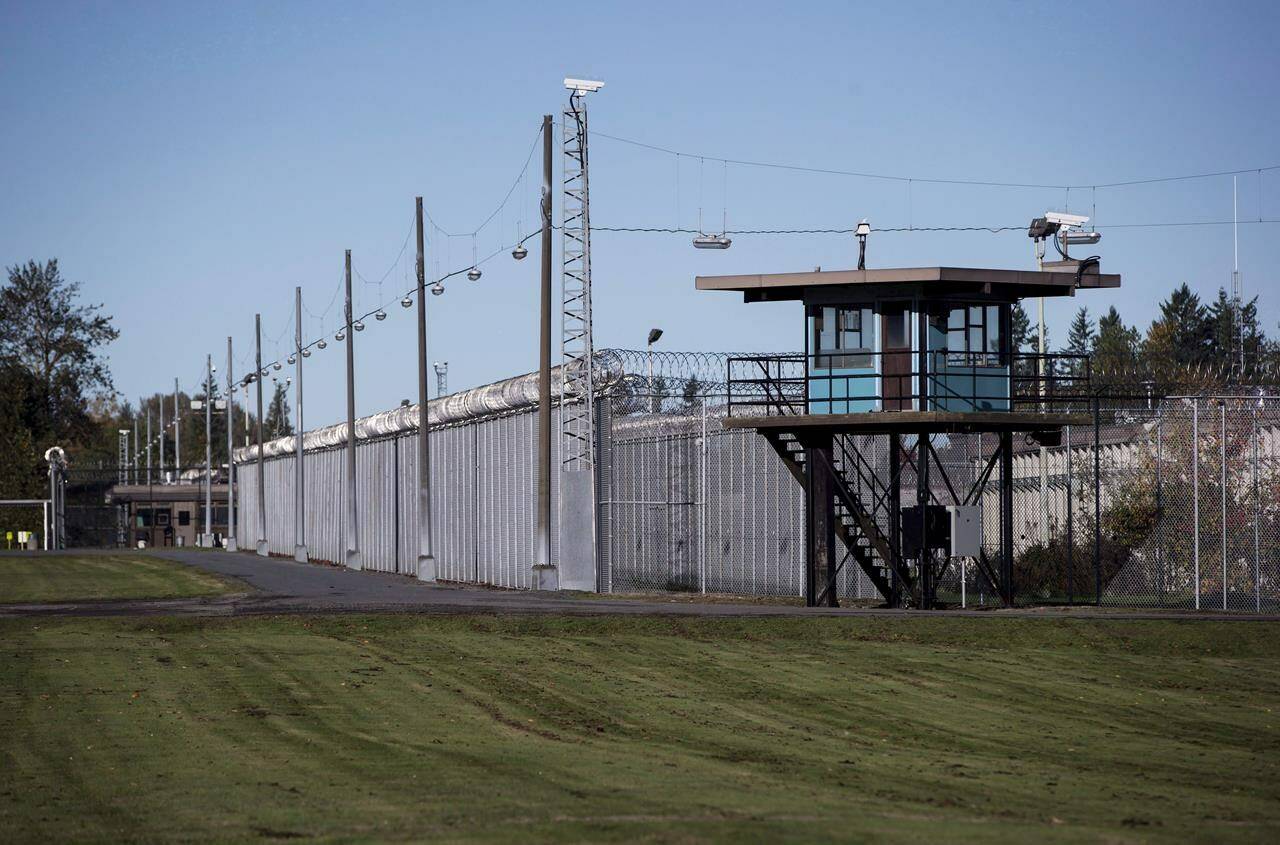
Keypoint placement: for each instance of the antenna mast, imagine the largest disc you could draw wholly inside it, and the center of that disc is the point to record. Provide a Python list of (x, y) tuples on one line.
[(577, 388), (1237, 297)]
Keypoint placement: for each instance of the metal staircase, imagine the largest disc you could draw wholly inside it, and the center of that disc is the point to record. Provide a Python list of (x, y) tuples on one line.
[(859, 495)]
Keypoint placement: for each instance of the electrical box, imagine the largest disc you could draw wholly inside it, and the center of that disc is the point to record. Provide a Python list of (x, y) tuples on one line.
[(966, 530), (938, 535)]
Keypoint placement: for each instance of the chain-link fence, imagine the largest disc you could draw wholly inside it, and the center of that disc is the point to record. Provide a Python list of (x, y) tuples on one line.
[(1174, 504)]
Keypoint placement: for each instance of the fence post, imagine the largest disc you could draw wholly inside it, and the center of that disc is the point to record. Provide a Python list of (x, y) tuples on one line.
[(1257, 516), (1160, 567), (1195, 494), (702, 510), (1071, 537), (1097, 500), (1222, 403)]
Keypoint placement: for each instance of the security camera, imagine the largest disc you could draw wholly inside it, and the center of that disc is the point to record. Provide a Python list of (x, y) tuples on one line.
[(582, 86), (1070, 221)]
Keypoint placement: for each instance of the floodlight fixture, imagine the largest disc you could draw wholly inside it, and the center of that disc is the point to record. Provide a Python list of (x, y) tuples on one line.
[(519, 252), (654, 335), (863, 229), (711, 242)]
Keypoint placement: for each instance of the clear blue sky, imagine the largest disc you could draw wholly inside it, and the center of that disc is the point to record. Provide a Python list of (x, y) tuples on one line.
[(190, 163)]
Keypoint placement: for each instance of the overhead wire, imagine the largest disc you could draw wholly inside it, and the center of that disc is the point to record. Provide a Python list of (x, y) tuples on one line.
[(990, 183)]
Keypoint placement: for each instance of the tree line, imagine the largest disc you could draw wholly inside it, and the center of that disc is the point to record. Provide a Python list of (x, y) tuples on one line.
[(1190, 343), (56, 390)]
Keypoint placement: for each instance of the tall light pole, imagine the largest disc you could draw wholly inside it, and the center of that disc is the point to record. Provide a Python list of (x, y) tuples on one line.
[(352, 532), (426, 555), (299, 458), (177, 436), (148, 444), (654, 398), (544, 571), (231, 461), (262, 482), (208, 451), (161, 400)]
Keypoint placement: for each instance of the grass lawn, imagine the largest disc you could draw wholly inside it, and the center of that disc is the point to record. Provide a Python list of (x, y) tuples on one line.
[(624, 729), (71, 577)]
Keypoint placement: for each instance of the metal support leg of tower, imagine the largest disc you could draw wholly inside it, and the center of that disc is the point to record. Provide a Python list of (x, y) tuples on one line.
[(895, 513), (820, 521), (1006, 517), (922, 502)]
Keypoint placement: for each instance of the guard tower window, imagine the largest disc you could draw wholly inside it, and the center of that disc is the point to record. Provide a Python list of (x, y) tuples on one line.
[(845, 337), (973, 336)]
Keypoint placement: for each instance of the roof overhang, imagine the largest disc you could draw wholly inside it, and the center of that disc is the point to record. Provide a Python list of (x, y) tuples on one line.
[(935, 281)]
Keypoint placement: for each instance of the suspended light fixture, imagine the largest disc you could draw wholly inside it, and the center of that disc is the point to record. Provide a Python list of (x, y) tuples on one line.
[(276, 365), (437, 288), (293, 359), (265, 372), (321, 344), (720, 241), (306, 353), (519, 252), (711, 242), (474, 273), (340, 335), (406, 302), (379, 315), (358, 325)]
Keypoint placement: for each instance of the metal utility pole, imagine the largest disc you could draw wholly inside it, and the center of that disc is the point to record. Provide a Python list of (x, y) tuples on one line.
[(231, 461), (426, 558), (544, 574), (262, 482), (177, 435), (133, 464), (148, 445), (160, 397), (208, 451), (576, 568), (352, 538), (299, 458)]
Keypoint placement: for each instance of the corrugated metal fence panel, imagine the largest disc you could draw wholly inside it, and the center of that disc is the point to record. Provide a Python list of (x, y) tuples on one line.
[(323, 482), (376, 505), (246, 505), (280, 505), (505, 484), (406, 481), (453, 502)]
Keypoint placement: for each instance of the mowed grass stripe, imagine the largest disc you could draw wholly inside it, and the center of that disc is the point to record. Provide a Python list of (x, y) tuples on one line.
[(492, 729), (89, 577)]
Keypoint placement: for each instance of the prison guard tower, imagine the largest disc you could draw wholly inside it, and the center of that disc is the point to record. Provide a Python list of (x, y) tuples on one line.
[(906, 354)]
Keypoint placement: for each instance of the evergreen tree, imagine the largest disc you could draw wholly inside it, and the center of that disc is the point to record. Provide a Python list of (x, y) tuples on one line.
[(1116, 348), (1183, 334), (1021, 336), (277, 422), (1228, 336), (1081, 337)]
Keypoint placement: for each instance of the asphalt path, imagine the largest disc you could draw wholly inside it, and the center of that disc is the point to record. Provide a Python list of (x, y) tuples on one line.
[(282, 585)]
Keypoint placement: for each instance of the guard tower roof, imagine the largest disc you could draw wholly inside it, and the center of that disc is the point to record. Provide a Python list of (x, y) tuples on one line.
[(940, 281)]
